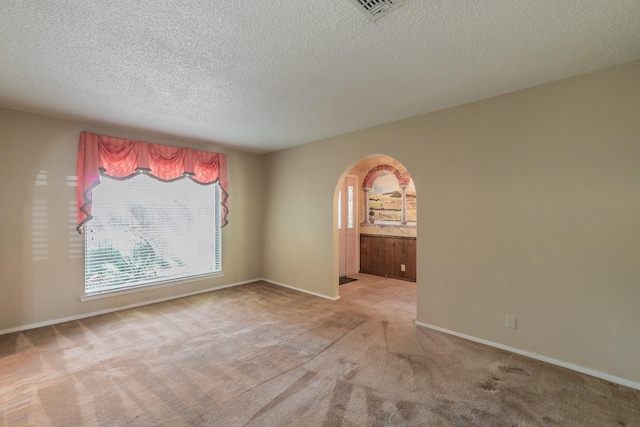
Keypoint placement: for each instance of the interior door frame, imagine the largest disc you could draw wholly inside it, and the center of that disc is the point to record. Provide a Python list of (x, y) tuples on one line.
[(348, 254)]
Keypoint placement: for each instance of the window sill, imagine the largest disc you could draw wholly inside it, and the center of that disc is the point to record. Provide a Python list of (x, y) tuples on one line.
[(125, 291)]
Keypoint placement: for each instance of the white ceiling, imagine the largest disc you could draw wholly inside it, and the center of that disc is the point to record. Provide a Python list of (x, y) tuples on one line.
[(265, 75)]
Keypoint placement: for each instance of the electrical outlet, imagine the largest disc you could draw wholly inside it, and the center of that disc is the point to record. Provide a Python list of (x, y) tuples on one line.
[(402, 267), (511, 321), (121, 302)]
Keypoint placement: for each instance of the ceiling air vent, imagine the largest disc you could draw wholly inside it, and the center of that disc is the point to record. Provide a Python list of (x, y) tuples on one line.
[(374, 9)]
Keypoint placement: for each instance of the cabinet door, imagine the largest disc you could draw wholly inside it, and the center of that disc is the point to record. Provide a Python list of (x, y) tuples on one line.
[(365, 254), (384, 256), (411, 260), (405, 253), (380, 256)]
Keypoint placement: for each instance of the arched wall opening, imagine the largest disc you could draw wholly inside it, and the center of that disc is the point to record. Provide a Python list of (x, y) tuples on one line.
[(383, 216)]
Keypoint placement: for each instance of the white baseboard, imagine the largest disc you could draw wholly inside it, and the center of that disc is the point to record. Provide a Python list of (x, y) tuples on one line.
[(124, 307), (577, 368), (301, 290)]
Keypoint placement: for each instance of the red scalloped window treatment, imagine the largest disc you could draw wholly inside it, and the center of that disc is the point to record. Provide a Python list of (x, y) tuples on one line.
[(124, 158)]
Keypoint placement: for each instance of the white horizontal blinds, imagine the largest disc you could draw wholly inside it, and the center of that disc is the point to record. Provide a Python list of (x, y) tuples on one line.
[(146, 231)]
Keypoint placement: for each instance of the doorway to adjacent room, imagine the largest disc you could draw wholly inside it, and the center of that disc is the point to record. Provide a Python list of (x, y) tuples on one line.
[(376, 223)]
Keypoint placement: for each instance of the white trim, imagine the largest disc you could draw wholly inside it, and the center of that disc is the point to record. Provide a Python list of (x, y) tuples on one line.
[(536, 356), (149, 287), (124, 307), (301, 290)]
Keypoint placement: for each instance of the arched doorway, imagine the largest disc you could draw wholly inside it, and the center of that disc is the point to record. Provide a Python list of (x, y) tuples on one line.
[(384, 218)]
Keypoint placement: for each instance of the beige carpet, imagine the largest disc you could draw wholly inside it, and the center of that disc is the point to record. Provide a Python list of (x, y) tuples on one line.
[(262, 355)]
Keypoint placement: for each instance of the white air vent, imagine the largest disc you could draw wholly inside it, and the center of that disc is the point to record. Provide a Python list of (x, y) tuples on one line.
[(374, 9)]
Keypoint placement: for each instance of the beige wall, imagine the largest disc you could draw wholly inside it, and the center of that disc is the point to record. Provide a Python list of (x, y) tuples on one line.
[(42, 290), (528, 204)]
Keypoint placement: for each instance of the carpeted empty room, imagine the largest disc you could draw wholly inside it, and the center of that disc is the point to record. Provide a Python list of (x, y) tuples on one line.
[(264, 355), (184, 183)]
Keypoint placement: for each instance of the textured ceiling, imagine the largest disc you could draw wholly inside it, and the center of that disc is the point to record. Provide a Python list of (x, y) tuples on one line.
[(262, 76)]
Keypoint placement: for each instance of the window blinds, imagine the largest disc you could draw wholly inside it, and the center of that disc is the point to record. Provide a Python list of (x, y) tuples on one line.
[(145, 231)]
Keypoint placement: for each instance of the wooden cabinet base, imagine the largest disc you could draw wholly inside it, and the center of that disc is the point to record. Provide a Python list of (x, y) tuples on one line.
[(386, 255)]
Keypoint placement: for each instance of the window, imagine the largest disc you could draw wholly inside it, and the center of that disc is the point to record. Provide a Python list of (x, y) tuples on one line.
[(157, 214), (145, 231), (350, 208), (350, 214)]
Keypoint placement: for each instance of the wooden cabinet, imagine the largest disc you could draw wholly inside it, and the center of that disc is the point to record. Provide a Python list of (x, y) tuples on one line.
[(384, 256)]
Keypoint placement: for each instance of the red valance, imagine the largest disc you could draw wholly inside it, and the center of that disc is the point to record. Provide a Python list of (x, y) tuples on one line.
[(124, 158)]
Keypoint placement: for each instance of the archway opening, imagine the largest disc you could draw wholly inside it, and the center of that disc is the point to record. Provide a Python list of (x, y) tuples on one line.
[(376, 201)]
